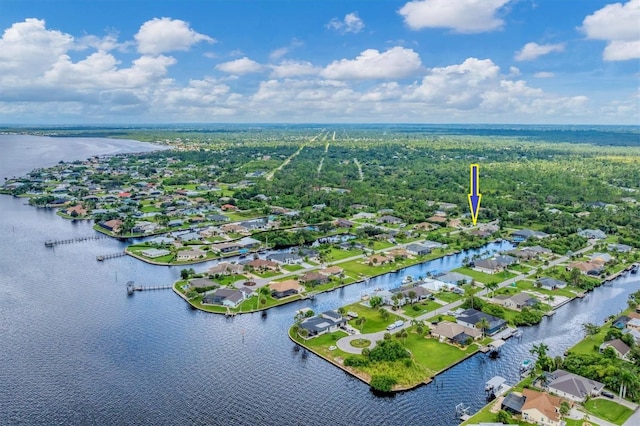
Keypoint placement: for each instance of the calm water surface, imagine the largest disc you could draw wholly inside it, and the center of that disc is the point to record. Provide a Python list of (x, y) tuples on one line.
[(76, 350)]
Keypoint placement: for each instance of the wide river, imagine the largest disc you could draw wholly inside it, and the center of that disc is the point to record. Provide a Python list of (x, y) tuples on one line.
[(74, 349)]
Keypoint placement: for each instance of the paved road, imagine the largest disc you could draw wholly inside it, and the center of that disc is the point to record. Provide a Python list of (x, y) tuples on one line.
[(634, 420)]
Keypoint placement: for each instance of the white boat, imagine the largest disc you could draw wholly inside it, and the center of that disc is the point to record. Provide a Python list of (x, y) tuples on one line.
[(527, 364), (408, 279)]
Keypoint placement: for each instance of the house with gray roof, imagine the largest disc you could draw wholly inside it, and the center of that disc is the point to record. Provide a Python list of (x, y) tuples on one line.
[(551, 283), (326, 322), (572, 386), (285, 258), (230, 297), (619, 347), (418, 249), (516, 301), (525, 234), (470, 317), (455, 278), (592, 234)]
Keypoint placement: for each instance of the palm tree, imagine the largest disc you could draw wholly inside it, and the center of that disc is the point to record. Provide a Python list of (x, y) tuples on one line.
[(412, 296), (483, 325), (541, 351)]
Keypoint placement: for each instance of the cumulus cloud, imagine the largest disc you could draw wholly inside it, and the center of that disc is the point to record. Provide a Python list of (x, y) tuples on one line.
[(463, 16), (397, 62), (161, 35), (289, 68), (350, 24), (619, 25), (240, 66), (544, 74), (532, 51)]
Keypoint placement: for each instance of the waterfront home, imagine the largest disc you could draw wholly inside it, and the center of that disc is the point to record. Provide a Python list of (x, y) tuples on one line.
[(185, 255), (592, 234), (571, 386), (487, 266), (285, 258), (248, 243), (455, 333), (188, 236), (513, 402), (175, 223), (634, 324), (379, 259), (262, 265), (550, 283), (455, 278), (314, 278), (434, 286), (326, 322), (525, 234), (619, 347), (226, 268), (399, 253), (470, 317), (286, 288), (541, 408), (161, 240), (76, 210), (226, 247), (152, 253), (633, 332), (230, 297), (202, 282), (332, 271), (234, 228), (418, 249), (588, 268), (516, 301), (113, 225)]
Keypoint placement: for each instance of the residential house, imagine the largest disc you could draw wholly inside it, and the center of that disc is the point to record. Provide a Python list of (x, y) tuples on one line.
[(314, 278), (403, 294), (202, 282), (592, 234), (621, 322), (286, 288), (434, 286), (234, 228), (633, 332), (455, 278), (455, 333), (418, 249), (326, 322), (225, 268), (152, 253), (186, 255), (516, 301), (363, 215), (113, 225), (601, 257), (248, 243), (285, 258), (399, 253), (620, 248), (572, 386), (189, 236), (551, 283), (513, 402), (488, 266), (262, 265), (470, 317), (343, 223), (332, 271), (424, 226), (175, 223), (379, 259), (587, 268), (633, 324), (437, 219), (230, 297), (621, 349), (454, 223), (389, 219), (226, 247), (76, 210), (218, 218), (541, 408), (525, 234)]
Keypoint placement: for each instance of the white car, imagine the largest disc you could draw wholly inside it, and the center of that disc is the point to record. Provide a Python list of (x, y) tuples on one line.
[(333, 348)]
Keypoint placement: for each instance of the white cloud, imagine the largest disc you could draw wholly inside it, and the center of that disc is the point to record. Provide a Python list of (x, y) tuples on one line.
[(463, 16), (397, 62), (29, 49), (531, 51), (278, 53), (240, 66), (544, 74), (287, 69), (350, 24), (619, 25), (161, 35)]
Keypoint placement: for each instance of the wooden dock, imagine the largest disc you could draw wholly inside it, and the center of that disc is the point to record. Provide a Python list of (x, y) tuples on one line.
[(53, 243), (111, 256), (131, 288)]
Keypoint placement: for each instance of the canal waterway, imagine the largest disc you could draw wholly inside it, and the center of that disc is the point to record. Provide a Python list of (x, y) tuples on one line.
[(77, 350)]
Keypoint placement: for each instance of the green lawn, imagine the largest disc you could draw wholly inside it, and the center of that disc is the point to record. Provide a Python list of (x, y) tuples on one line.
[(424, 307), (338, 254), (374, 321), (485, 278), (267, 274), (608, 410), (243, 215), (529, 285), (292, 268), (435, 355), (448, 296)]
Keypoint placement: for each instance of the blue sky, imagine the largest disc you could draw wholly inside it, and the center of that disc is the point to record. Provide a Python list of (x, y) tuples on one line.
[(424, 61)]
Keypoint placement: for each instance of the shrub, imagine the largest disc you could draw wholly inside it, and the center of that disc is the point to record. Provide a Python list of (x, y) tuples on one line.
[(388, 350), (354, 361), (382, 383)]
